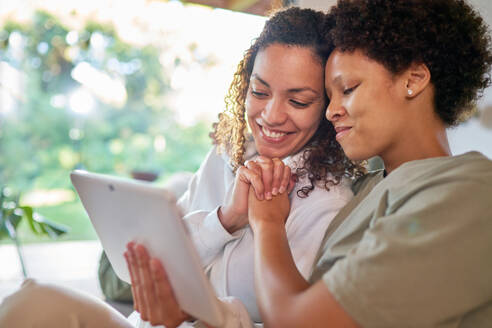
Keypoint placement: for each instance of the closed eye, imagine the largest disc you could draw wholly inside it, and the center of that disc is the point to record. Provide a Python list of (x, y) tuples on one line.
[(298, 103), (350, 90), (258, 94)]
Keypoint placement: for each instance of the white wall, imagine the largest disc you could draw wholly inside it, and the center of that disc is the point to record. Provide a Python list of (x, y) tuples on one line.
[(473, 135)]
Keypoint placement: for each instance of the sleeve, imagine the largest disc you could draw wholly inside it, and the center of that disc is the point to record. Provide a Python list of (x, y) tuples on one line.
[(308, 221), (208, 234), (428, 255), (200, 203)]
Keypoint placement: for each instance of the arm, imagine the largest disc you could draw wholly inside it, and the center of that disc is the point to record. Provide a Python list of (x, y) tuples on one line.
[(214, 212), (200, 206), (285, 298)]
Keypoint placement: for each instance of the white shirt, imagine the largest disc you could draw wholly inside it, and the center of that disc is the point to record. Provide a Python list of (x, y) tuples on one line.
[(228, 258)]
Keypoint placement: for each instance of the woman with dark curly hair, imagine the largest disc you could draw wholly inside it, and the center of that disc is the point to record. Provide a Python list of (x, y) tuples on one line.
[(274, 117), (278, 93), (413, 247)]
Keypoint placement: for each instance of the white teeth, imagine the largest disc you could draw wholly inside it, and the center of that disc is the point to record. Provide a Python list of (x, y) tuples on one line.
[(272, 134)]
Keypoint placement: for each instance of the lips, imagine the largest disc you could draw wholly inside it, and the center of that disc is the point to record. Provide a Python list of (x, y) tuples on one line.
[(273, 136), (272, 133), (342, 131)]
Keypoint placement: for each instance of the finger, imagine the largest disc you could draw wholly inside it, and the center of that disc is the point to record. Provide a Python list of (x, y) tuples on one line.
[(266, 165), (172, 312), (285, 180), (253, 174), (278, 173), (136, 284), (253, 166), (292, 183), (132, 277), (146, 283)]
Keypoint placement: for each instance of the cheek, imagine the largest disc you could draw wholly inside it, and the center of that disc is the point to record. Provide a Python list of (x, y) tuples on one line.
[(308, 122), (252, 106)]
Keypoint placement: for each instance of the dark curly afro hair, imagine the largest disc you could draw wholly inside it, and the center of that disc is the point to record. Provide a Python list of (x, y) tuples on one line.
[(448, 36)]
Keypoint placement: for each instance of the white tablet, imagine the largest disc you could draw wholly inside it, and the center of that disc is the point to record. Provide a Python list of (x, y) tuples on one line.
[(123, 210)]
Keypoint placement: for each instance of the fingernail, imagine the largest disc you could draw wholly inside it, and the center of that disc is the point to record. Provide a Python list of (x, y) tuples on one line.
[(281, 190), (275, 191), (269, 195)]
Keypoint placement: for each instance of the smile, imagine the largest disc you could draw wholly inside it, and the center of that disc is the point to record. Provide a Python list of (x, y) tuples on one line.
[(342, 131), (271, 135)]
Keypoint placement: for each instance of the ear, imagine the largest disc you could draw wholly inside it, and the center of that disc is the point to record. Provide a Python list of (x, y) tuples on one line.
[(416, 78)]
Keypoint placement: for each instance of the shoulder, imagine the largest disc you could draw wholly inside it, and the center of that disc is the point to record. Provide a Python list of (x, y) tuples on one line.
[(366, 181), (449, 188), (249, 153), (470, 170), (214, 163)]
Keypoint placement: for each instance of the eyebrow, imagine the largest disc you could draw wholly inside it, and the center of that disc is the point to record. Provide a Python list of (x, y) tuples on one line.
[(336, 80), (256, 77), (293, 90)]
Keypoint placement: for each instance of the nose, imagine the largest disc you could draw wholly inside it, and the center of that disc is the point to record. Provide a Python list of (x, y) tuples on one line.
[(334, 111), (274, 113)]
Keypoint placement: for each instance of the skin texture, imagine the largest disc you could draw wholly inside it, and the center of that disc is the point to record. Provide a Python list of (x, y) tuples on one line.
[(373, 113), (152, 292), (286, 97)]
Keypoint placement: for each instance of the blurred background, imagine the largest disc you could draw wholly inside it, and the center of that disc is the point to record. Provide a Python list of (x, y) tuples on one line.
[(111, 87)]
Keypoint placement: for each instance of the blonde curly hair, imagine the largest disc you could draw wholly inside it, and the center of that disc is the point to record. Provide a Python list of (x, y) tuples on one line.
[(323, 160)]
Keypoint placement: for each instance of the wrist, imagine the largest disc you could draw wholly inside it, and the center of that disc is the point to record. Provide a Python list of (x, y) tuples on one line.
[(226, 218), (267, 227)]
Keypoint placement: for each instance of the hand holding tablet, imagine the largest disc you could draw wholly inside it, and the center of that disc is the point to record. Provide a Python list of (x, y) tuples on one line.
[(122, 211)]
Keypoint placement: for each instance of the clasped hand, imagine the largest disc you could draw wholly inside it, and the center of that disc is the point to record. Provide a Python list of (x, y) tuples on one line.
[(262, 186), (264, 177)]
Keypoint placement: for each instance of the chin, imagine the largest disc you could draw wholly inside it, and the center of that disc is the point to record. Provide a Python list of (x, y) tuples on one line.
[(356, 154), (272, 153)]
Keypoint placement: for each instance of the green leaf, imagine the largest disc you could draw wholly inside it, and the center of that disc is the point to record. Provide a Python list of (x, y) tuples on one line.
[(56, 228), (11, 230), (28, 214)]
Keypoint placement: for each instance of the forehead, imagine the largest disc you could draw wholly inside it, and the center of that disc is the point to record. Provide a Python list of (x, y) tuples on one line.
[(353, 64), (290, 66)]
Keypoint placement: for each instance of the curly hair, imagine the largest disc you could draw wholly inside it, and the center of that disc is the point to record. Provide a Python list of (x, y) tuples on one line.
[(323, 160), (448, 36)]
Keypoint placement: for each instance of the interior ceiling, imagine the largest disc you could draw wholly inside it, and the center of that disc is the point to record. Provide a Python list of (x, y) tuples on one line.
[(257, 7), (262, 7)]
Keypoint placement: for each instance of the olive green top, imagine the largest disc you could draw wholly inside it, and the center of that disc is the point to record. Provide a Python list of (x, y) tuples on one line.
[(414, 249)]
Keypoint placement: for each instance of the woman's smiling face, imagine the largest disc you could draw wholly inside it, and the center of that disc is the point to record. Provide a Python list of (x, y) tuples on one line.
[(285, 99), (366, 105)]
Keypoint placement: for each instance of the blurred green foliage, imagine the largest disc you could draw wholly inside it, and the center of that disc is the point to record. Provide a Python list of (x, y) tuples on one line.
[(42, 139)]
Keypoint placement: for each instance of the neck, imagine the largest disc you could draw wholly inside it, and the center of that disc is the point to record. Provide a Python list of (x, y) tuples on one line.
[(427, 139)]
